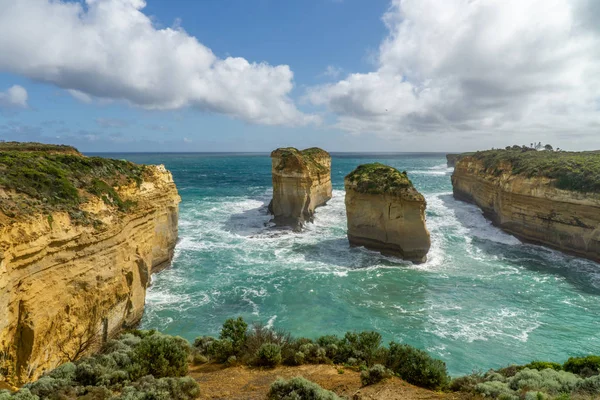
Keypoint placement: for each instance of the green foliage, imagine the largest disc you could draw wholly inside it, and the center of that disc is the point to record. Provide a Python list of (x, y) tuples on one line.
[(589, 385), (585, 366), (292, 158), (377, 178), (417, 367), (162, 356), (268, 355), (220, 350), (569, 170), (375, 374), (122, 370), (541, 365), (496, 390), (49, 178), (150, 388), (236, 331), (33, 146), (299, 389)]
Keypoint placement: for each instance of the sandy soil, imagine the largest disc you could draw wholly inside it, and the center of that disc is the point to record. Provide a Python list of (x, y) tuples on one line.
[(239, 383)]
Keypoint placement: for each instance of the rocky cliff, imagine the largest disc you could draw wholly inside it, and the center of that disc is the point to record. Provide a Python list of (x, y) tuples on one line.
[(546, 198), (79, 239), (386, 213), (301, 183)]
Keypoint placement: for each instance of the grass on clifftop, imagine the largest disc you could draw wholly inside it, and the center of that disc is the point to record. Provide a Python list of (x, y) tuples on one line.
[(576, 171), (291, 157), (51, 180), (33, 146), (377, 178)]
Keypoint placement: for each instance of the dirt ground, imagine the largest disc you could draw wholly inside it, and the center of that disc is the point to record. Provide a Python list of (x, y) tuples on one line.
[(245, 383)]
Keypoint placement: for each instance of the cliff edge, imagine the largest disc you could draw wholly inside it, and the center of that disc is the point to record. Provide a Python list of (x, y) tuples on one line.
[(544, 197), (79, 238), (386, 213), (301, 183)]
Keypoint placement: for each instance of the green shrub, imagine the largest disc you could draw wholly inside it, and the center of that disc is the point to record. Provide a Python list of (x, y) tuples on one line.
[(548, 381), (535, 396), (362, 346), (417, 367), (299, 389), (584, 366), (269, 355), (589, 385), (375, 374), (496, 390), (466, 383), (540, 365), (23, 394), (150, 388), (162, 356), (236, 331), (220, 350)]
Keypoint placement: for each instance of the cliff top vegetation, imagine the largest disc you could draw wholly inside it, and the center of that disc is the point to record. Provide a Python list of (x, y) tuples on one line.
[(37, 177), (292, 158), (576, 171), (377, 178)]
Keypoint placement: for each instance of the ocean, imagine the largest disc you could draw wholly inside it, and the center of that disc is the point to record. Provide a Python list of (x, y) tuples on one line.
[(482, 300)]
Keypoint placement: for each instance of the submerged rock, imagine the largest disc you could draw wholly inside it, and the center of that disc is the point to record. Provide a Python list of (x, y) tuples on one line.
[(386, 213), (301, 183)]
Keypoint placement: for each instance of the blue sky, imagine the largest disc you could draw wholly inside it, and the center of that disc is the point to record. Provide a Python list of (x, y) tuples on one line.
[(345, 75)]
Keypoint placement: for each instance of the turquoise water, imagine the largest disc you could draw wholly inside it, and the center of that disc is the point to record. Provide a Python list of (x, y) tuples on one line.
[(482, 300)]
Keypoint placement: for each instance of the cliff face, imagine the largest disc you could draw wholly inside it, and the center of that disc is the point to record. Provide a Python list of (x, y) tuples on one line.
[(451, 159), (386, 213), (301, 183), (531, 208), (65, 286)]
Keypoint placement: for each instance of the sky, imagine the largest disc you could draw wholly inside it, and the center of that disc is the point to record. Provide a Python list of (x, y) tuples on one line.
[(344, 75)]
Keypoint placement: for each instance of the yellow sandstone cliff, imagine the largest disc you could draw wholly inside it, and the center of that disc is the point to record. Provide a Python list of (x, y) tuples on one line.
[(301, 183), (386, 213), (66, 286), (531, 208)]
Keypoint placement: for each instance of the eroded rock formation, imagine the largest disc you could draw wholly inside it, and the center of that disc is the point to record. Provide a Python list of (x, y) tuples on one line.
[(386, 213), (301, 183), (532, 208), (67, 284)]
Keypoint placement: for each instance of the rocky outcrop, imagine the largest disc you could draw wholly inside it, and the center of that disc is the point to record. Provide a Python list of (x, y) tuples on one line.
[(67, 285), (451, 159), (386, 213), (531, 207), (301, 183)]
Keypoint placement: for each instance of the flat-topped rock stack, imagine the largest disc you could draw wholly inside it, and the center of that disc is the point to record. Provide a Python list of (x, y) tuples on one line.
[(386, 213), (301, 183)]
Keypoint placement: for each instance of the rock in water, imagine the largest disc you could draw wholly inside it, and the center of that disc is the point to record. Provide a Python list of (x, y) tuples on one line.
[(386, 213), (301, 183)]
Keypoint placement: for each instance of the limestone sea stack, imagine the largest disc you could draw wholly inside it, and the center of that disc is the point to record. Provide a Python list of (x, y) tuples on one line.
[(301, 183), (79, 238), (545, 197), (386, 213)]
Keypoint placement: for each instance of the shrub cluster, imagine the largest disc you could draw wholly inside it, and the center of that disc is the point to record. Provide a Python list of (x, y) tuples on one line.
[(299, 388), (375, 374), (579, 376), (138, 366)]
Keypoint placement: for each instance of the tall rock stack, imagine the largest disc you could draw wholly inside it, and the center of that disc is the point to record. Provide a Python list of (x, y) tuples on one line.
[(386, 213), (301, 183)]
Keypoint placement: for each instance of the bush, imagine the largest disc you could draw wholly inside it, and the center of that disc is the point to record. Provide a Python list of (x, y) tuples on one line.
[(162, 356), (496, 390), (269, 355), (221, 350), (375, 374), (299, 389), (203, 344), (589, 385), (548, 381), (23, 394), (235, 330), (417, 367), (466, 383), (584, 366), (363, 346), (541, 365), (150, 388)]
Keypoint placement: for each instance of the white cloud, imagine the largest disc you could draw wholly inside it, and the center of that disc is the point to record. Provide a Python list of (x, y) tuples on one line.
[(477, 66), (332, 72), (14, 97), (110, 49)]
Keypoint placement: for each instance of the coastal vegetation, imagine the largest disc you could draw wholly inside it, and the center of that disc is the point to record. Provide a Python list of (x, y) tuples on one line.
[(48, 178), (144, 365), (291, 156), (576, 171), (377, 178)]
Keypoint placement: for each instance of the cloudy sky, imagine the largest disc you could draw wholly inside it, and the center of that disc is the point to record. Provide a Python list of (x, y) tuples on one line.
[(346, 75)]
